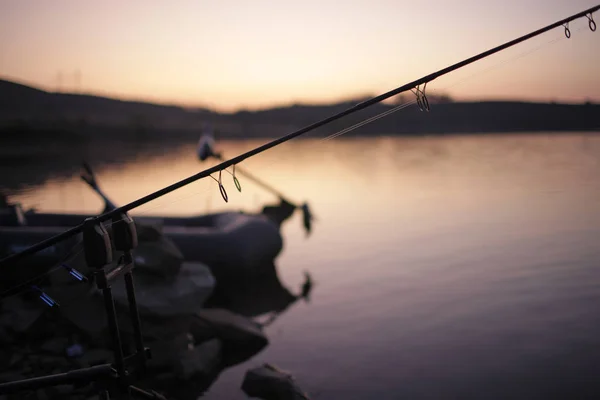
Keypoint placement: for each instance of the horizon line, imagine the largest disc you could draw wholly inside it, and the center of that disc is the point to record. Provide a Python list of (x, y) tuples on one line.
[(291, 103)]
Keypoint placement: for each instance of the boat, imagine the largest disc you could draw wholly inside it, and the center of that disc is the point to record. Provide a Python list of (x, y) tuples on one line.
[(206, 144), (230, 243), (235, 245)]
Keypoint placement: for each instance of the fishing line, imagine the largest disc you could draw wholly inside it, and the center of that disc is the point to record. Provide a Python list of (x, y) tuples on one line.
[(346, 130), (199, 192), (368, 121), (58, 266), (506, 61), (362, 123), (415, 85), (473, 75), (498, 65)]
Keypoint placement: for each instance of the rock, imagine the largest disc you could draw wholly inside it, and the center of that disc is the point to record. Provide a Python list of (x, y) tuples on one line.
[(149, 230), (9, 376), (95, 357), (89, 315), (161, 329), (185, 359), (242, 337), (166, 353), (160, 258), (185, 294), (5, 357), (19, 315), (181, 369), (156, 254), (60, 391), (52, 362), (269, 383), (165, 376), (55, 345), (15, 359), (5, 336), (202, 360)]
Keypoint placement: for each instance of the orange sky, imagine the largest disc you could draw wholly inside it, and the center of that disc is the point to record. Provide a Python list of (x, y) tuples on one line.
[(232, 54)]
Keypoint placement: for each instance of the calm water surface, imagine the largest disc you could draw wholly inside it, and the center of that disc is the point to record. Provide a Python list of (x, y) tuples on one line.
[(463, 267)]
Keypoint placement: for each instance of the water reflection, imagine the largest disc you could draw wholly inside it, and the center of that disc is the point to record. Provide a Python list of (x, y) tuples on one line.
[(261, 295), (447, 267)]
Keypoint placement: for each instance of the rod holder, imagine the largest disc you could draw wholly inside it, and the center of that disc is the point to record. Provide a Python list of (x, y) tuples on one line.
[(96, 244), (109, 378), (124, 232), (98, 254), (125, 239)]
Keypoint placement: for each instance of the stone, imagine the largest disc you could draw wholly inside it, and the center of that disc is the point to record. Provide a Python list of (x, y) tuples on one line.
[(15, 359), (181, 356), (42, 395), (242, 337), (270, 383), (19, 315), (5, 336), (60, 391), (56, 345), (182, 369), (166, 353), (161, 329), (10, 376), (95, 357), (50, 362), (5, 357), (185, 294), (165, 376), (160, 258), (88, 314), (156, 254), (202, 360)]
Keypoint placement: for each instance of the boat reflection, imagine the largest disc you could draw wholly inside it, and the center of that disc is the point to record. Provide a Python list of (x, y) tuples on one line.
[(260, 295)]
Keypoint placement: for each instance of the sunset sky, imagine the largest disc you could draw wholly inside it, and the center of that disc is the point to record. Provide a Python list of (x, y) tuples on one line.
[(231, 54)]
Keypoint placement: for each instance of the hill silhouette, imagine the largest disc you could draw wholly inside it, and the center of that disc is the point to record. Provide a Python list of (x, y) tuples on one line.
[(26, 111)]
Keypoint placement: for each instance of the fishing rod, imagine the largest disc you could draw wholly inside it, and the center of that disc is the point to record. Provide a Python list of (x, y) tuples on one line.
[(206, 150), (244, 172), (418, 87)]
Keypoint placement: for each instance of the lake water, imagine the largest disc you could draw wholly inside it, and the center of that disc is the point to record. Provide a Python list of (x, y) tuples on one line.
[(444, 267)]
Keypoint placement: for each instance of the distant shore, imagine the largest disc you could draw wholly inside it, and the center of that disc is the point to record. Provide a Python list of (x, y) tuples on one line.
[(30, 163), (46, 134), (27, 113)]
